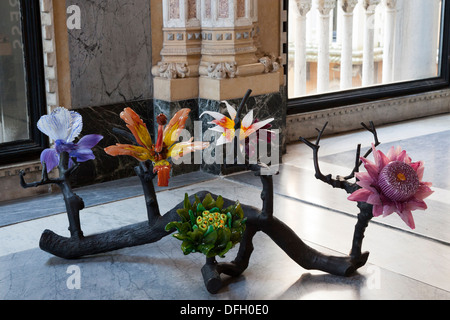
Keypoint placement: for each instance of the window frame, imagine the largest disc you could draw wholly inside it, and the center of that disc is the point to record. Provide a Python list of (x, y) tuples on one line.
[(29, 149), (380, 92)]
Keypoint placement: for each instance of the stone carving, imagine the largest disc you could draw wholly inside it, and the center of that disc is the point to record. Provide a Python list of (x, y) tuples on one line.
[(241, 9), (208, 9), (174, 9), (325, 6), (391, 4), (222, 70), (370, 5), (171, 70), (348, 5), (223, 9), (304, 6), (271, 63), (192, 9)]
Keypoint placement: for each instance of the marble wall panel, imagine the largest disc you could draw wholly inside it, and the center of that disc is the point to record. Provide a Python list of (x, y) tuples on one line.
[(111, 54), (104, 120)]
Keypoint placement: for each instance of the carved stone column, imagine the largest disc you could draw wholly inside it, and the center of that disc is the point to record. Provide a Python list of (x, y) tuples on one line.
[(229, 52), (323, 59), (176, 76), (389, 41), (303, 6), (347, 43), (368, 50)]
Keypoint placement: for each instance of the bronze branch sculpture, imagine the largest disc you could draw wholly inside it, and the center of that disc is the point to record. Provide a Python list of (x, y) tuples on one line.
[(258, 220), (365, 214)]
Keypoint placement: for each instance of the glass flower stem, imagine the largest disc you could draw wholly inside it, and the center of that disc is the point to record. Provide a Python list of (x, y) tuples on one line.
[(145, 173), (364, 218), (74, 204)]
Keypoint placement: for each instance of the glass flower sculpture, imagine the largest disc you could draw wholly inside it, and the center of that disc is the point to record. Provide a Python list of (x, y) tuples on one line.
[(393, 184), (208, 227), (226, 125), (166, 144), (64, 126)]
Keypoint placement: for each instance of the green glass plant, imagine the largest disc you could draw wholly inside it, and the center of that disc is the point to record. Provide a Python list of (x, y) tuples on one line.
[(207, 227)]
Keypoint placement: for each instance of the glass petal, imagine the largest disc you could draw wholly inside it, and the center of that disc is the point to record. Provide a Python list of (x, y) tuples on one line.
[(89, 141), (175, 126), (83, 155), (231, 110), (137, 127), (61, 124), (51, 159)]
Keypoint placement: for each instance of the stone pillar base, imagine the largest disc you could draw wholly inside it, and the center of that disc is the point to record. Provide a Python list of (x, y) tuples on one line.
[(234, 88), (175, 89)]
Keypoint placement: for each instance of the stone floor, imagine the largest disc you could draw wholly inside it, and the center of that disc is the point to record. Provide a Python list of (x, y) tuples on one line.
[(403, 264)]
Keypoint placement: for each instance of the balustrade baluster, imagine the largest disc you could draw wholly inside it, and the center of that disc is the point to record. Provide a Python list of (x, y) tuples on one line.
[(304, 6), (323, 59), (389, 37), (347, 43), (369, 45)]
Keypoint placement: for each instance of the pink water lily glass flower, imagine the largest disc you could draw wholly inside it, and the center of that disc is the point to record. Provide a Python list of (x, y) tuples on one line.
[(393, 184)]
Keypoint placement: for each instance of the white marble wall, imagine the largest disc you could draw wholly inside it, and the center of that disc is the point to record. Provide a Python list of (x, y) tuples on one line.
[(110, 56)]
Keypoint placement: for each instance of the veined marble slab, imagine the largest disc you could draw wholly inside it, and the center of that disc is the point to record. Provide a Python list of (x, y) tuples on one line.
[(409, 266)]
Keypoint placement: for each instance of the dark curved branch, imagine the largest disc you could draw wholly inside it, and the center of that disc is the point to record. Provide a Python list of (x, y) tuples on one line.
[(44, 180), (358, 162), (129, 236), (145, 173), (339, 182)]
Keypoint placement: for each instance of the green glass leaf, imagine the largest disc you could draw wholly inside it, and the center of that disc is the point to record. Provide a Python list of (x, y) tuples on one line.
[(214, 210), (210, 238), (185, 227), (181, 237), (220, 202), (195, 236), (173, 225), (209, 230), (229, 209), (206, 249), (187, 247), (184, 214), (197, 200), (224, 251), (209, 202), (200, 208), (193, 218), (223, 237), (239, 211), (187, 203)]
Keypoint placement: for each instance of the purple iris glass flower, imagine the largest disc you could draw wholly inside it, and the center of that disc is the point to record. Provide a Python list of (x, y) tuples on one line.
[(64, 126)]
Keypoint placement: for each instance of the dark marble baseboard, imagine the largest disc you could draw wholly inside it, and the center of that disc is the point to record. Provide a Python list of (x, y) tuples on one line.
[(104, 119)]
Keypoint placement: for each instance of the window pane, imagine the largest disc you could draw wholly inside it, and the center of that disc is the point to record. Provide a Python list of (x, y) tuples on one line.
[(13, 97), (338, 45)]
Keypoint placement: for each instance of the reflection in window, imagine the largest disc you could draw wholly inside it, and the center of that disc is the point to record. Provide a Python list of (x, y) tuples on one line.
[(345, 44), (13, 95)]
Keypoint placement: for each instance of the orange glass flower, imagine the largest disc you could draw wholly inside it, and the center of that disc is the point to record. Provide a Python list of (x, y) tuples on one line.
[(166, 145)]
